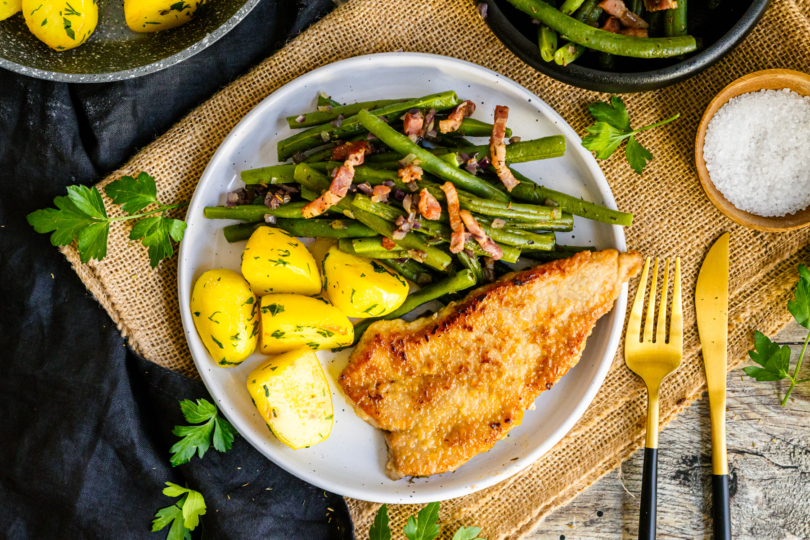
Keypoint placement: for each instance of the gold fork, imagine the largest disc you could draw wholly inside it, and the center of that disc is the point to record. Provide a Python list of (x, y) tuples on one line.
[(653, 361)]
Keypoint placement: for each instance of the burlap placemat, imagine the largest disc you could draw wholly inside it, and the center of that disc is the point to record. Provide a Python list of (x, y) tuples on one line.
[(672, 217)]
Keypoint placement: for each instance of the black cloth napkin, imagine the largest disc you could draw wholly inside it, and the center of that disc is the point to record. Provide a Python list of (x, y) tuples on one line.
[(85, 424)]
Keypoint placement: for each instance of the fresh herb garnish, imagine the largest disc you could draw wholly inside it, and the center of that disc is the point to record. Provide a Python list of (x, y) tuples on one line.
[(184, 515), (612, 127), (81, 216), (273, 309), (775, 360), (198, 438), (422, 527)]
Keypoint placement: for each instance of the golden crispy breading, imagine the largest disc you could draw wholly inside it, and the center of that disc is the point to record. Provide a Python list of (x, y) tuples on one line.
[(449, 386)]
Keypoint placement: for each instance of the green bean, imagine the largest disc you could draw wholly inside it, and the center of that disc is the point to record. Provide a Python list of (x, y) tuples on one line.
[(520, 152), (568, 53), (564, 224), (383, 156), (454, 142), (585, 12), (254, 212), (525, 240), (323, 99), (276, 174), (402, 144), (347, 245), (362, 245), (313, 136), (656, 19), (391, 213), (561, 252), (316, 118), (472, 264), (607, 61), (319, 156), (529, 191), (304, 228), (458, 282), (637, 6), (412, 270), (602, 40), (475, 128), (547, 40), (675, 21), (570, 6)]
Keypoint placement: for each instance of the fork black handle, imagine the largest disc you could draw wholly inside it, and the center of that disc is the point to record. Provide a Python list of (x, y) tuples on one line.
[(720, 507), (649, 495)]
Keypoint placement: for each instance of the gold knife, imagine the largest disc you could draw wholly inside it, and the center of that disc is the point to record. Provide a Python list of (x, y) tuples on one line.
[(711, 304)]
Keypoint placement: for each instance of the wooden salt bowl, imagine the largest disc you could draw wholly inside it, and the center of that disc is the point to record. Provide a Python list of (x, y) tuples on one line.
[(769, 79)]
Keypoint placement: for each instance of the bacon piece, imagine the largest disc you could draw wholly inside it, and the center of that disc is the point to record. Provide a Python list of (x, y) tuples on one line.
[(380, 193), (428, 206), (635, 32), (612, 25), (412, 124), (457, 238), (620, 11), (410, 173), (463, 110), (487, 244), (497, 148), (388, 244), (658, 5), (341, 153), (340, 183)]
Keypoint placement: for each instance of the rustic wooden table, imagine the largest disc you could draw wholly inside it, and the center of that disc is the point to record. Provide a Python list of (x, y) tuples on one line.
[(769, 460)]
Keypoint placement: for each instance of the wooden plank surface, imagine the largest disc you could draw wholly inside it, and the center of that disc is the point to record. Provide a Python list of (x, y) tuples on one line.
[(769, 462)]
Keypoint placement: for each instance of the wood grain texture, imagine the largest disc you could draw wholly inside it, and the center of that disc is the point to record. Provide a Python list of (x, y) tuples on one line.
[(769, 462)]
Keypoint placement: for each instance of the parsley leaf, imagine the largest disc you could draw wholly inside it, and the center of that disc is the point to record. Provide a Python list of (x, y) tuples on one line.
[(637, 155), (467, 533), (612, 127), (614, 114), (133, 194), (197, 439), (192, 504), (775, 360), (800, 306), (379, 529), (425, 526), (81, 216)]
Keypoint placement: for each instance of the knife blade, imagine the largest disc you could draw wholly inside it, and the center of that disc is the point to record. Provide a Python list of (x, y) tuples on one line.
[(711, 305)]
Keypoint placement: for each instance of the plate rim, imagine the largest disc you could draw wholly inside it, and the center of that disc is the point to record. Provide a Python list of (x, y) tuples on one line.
[(618, 312)]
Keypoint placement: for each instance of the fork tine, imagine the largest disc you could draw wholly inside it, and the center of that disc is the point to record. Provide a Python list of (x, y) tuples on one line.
[(676, 322), (634, 323), (648, 326), (661, 332)]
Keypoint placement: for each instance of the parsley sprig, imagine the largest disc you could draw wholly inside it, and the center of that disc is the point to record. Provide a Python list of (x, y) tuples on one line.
[(424, 526), (612, 127), (184, 515), (775, 360), (198, 438), (81, 216)]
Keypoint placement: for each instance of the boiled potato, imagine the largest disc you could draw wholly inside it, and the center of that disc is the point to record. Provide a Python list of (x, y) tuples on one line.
[(319, 248), (290, 321), (293, 397), (361, 287), (157, 15), (61, 24), (9, 8), (274, 261), (225, 315)]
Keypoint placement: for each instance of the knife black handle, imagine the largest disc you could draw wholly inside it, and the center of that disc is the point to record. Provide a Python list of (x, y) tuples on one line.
[(720, 507), (649, 495)]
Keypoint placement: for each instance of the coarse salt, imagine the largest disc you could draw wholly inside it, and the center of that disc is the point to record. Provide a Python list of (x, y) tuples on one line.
[(757, 151)]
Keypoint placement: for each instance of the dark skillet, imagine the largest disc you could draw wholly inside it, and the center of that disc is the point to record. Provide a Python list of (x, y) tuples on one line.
[(721, 27)]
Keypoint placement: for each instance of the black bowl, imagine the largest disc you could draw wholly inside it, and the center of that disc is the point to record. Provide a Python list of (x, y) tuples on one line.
[(721, 27)]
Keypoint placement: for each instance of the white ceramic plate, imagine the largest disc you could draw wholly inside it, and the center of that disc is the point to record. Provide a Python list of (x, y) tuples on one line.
[(352, 460)]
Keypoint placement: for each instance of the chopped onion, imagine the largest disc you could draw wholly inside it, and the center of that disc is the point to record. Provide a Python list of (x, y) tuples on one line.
[(412, 186), (498, 223), (484, 163), (270, 219), (365, 187), (468, 252), (535, 21), (514, 139), (398, 235), (298, 157), (424, 278), (549, 202), (407, 203), (301, 119), (404, 162), (325, 136), (338, 225), (482, 10), (398, 194), (337, 122), (325, 108)]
